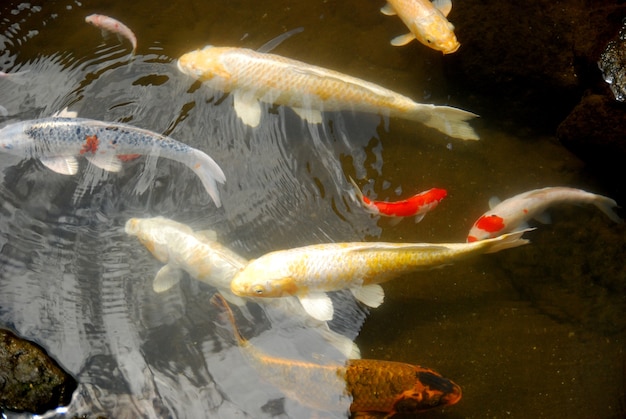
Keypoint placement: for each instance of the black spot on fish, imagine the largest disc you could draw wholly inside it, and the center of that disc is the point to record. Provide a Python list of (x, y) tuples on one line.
[(434, 381)]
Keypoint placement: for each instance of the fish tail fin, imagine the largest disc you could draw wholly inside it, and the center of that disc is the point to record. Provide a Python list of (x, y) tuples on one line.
[(451, 121), (219, 301), (209, 173), (606, 205), (506, 241), (357, 190)]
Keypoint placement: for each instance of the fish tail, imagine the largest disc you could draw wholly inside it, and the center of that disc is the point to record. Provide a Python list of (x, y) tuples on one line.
[(451, 121), (506, 241), (209, 173), (606, 205)]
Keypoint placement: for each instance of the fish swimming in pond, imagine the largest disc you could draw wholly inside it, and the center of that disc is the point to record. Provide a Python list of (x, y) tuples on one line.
[(362, 386), (426, 21), (255, 77), (199, 254), (311, 271), (57, 141), (109, 24), (416, 206), (513, 213)]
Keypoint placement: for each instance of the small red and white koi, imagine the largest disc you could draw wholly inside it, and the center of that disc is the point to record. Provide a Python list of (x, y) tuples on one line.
[(107, 23), (416, 206), (513, 213)]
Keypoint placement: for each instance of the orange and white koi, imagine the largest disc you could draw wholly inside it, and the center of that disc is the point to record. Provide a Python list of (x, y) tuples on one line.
[(426, 21), (416, 206), (56, 141), (361, 386), (512, 214), (311, 271), (109, 24), (255, 77)]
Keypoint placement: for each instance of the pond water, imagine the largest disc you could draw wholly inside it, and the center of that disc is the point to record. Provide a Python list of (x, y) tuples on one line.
[(522, 332)]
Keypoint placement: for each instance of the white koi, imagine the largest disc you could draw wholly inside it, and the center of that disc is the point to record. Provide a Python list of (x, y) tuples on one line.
[(426, 21), (255, 77), (57, 141), (115, 26), (513, 213), (311, 271)]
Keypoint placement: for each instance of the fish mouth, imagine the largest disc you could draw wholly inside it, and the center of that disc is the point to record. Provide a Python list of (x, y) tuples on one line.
[(452, 49)]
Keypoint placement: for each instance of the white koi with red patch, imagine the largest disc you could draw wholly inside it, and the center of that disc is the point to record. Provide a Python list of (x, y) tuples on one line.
[(113, 25), (255, 77), (513, 214), (56, 142), (311, 271), (427, 23)]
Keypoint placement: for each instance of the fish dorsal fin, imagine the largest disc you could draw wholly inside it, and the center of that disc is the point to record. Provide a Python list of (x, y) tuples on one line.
[(400, 40), (273, 43), (371, 246), (65, 113), (318, 305), (543, 218), (311, 115), (108, 162), (494, 201), (65, 165), (166, 278), (371, 295), (247, 107), (444, 6), (206, 236), (388, 10)]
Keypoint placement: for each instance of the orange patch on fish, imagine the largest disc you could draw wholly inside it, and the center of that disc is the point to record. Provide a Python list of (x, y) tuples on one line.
[(90, 145), (490, 223), (128, 157)]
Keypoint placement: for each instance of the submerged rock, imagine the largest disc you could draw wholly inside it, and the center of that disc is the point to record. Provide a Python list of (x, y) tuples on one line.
[(612, 63), (30, 380)]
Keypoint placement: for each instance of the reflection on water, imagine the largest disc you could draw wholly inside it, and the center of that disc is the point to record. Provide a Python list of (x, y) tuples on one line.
[(72, 280)]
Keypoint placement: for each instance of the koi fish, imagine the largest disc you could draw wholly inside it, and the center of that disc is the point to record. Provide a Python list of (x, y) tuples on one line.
[(57, 141), (311, 271), (426, 21), (513, 213), (417, 205), (255, 77), (199, 254), (369, 386), (109, 24)]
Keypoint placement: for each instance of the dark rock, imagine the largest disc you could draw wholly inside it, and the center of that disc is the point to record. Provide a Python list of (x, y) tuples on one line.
[(30, 380)]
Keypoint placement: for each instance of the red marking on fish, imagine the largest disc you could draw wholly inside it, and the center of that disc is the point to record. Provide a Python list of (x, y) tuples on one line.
[(420, 203), (490, 223), (128, 157), (90, 145)]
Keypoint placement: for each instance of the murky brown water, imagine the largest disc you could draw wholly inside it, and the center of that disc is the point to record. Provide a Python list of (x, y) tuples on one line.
[(522, 332)]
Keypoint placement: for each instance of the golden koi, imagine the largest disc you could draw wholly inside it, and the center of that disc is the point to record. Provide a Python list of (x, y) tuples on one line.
[(513, 213), (255, 77), (311, 271), (107, 23), (426, 21), (365, 385)]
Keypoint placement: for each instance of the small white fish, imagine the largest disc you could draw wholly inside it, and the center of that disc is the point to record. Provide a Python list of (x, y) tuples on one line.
[(57, 141), (115, 26), (513, 213), (255, 77), (311, 271), (426, 21)]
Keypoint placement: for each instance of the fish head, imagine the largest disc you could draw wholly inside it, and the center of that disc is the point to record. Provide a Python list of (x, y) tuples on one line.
[(254, 282), (430, 390), (204, 64), (148, 232), (437, 33), (487, 226)]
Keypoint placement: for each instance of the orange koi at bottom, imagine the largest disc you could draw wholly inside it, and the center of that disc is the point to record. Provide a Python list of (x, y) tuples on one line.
[(369, 386), (417, 205)]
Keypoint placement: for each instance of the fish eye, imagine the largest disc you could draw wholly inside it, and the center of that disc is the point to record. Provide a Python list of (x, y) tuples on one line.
[(258, 289)]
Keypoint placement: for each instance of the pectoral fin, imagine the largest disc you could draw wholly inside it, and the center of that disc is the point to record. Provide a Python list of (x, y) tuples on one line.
[(388, 10), (166, 278), (311, 115), (543, 218), (493, 201), (400, 40), (318, 306), (232, 298), (371, 295), (247, 108), (64, 165), (444, 6), (108, 162), (206, 236)]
